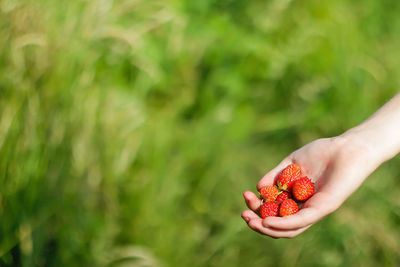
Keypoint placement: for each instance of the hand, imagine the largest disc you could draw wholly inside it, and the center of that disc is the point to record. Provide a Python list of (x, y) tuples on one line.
[(337, 166)]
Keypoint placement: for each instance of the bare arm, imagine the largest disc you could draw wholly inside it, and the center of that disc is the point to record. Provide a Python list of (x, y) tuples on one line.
[(380, 132)]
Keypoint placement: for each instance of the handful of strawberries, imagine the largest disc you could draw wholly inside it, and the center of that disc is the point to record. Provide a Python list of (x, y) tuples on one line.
[(277, 199)]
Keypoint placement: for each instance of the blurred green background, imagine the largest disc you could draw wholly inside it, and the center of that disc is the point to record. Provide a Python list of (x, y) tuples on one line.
[(130, 128)]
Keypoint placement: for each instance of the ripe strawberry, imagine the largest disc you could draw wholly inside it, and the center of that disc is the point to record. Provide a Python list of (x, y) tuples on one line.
[(287, 177), (269, 209), (303, 189), (269, 193), (283, 196), (288, 207)]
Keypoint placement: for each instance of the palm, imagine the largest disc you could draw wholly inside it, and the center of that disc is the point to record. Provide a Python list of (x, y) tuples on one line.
[(318, 161)]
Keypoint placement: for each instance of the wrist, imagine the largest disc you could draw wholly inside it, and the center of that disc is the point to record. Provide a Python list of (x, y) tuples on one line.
[(365, 144), (379, 135)]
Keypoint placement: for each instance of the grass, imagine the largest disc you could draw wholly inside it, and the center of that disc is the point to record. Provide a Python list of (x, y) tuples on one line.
[(129, 129)]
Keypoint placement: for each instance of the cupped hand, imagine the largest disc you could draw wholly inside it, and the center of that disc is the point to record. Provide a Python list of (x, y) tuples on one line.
[(335, 165)]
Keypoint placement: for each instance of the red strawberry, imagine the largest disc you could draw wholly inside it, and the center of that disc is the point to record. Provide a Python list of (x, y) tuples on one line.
[(288, 207), (269, 193), (282, 196), (269, 209), (303, 189), (287, 177)]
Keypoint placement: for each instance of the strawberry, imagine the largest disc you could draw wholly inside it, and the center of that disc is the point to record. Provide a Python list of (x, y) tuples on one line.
[(287, 177), (288, 207), (282, 196), (269, 209), (303, 189), (269, 193)]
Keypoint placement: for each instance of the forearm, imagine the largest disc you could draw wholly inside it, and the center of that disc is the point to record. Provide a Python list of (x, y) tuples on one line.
[(379, 134)]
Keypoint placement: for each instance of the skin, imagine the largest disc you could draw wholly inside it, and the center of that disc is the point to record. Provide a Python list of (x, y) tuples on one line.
[(337, 166)]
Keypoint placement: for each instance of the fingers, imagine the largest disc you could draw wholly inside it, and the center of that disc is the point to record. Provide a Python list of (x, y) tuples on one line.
[(316, 208), (303, 218), (252, 201), (269, 178), (256, 223)]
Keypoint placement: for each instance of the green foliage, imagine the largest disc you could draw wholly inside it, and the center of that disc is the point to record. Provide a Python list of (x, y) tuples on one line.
[(129, 128)]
